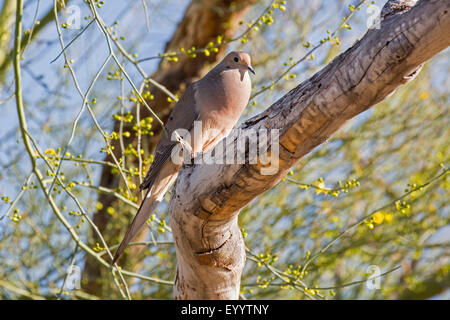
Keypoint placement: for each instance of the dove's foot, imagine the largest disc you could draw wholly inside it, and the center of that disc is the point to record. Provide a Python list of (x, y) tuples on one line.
[(195, 154)]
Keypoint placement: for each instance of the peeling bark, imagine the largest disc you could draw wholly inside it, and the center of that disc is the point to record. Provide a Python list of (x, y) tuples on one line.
[(208, 198)]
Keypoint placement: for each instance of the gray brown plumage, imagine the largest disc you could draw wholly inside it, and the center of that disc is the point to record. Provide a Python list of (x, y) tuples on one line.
[(217, 100)]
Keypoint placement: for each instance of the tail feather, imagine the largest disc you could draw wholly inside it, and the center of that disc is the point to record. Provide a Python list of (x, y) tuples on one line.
[(154, 196), (148, 205)]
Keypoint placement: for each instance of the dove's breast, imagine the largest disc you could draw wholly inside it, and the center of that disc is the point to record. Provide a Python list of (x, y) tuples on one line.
[(224, 95), (220, 99)]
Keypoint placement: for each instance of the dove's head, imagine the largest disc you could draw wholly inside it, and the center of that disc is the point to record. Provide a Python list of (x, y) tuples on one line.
[(238, 60)]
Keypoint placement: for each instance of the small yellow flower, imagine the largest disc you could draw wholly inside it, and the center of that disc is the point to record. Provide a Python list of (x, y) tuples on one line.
[(321, 188), (50, 151), (98, 248), (335, 219), (424, 95), (99, 206), (388, 217), (378, 217)]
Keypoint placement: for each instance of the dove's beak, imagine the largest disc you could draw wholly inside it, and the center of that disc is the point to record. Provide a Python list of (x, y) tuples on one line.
[(251, 69)]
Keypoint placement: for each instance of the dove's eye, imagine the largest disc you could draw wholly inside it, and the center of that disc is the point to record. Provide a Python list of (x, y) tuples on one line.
[(236, 59)]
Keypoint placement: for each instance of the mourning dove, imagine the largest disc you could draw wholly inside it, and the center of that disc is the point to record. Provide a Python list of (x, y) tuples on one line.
[(217, 100)]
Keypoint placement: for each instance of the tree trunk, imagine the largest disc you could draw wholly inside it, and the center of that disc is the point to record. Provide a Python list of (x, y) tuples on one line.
[(207, 199)]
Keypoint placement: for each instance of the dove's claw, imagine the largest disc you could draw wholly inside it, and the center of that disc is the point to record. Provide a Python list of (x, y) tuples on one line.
[(194, 155)]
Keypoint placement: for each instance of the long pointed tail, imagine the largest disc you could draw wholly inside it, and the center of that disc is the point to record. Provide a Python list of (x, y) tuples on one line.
[(154, 196), (141, 217)]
